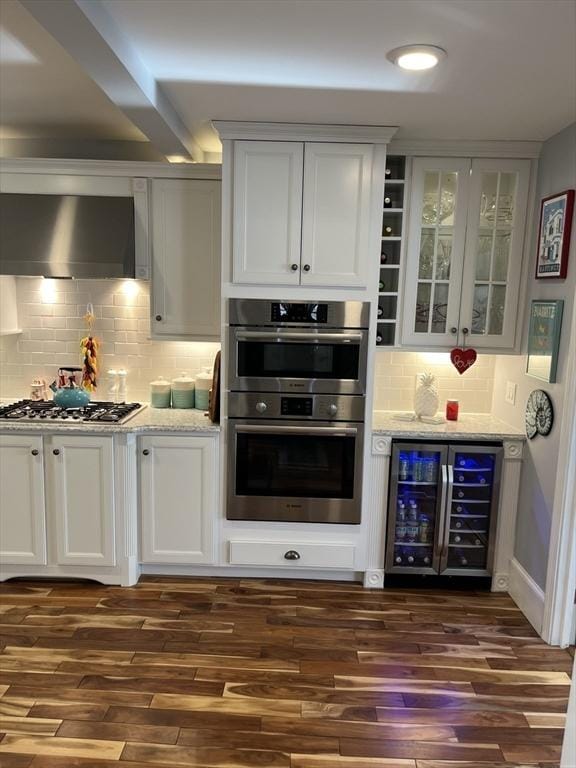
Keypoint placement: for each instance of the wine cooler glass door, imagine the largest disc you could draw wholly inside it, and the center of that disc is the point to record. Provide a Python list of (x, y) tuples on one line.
[(416, 504), (472, 506)]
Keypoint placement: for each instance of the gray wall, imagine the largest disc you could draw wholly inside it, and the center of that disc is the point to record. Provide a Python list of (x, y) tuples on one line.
[(85, 149), (557, 172)]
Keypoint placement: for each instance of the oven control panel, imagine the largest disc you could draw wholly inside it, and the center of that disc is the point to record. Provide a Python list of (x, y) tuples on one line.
[(291, 312), (268, 405), (296, 406)]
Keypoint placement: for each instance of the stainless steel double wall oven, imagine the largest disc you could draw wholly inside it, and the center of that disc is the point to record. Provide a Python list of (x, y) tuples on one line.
[(296, 390)]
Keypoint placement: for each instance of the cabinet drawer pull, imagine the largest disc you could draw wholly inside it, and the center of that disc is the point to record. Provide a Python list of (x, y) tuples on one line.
[(306, 267), (293, 267), (158, 318), (56, 452), (34, 452), (145, 451), (291, 555)]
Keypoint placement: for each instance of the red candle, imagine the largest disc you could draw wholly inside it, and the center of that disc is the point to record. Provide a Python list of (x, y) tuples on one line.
[(452, 410)]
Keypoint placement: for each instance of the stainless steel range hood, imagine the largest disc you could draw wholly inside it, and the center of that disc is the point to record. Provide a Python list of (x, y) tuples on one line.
[(66, 235)]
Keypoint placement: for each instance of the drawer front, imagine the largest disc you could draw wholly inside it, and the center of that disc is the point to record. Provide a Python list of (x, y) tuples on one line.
[(290, 554)]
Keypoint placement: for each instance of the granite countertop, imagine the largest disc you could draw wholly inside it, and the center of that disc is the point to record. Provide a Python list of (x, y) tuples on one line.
[(470, 426), (147, 420)]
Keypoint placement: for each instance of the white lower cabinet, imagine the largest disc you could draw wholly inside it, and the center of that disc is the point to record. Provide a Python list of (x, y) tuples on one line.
[(59, 509), (290, 554), (22, 509), (178, 499), (81, 474)]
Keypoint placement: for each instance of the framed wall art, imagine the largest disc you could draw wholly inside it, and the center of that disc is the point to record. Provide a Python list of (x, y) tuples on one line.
[(544, 339), (556, 214)]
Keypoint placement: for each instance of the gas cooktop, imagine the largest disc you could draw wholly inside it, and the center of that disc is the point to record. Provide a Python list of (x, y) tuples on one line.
[(114, 413)]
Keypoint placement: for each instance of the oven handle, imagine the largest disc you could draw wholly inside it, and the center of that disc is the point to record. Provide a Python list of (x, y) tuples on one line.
[(341, 338), (334, 431)]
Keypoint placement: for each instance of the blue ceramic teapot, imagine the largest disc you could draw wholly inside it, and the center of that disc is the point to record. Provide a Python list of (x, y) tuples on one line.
[(68, 394)]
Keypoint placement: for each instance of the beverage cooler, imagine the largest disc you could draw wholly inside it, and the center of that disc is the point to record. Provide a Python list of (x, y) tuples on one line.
[(443, 507)]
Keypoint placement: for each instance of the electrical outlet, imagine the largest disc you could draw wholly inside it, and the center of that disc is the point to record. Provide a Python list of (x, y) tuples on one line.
[(510, 395)]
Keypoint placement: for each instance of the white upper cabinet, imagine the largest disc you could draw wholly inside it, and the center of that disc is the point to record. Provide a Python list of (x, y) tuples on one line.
[(464, 256), (186, 232), (336, 214), (301, 213), (22, 517), (494, 245), (267, 211), (81, 477), (436, 238)]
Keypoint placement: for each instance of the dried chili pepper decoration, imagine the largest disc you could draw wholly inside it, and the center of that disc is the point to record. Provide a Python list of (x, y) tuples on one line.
[(89, 346)]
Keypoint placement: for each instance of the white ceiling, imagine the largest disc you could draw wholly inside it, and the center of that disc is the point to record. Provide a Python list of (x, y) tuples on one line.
[(44, 93), (510, 71)]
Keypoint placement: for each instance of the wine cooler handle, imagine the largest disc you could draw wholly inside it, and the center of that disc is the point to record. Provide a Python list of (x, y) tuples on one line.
[(446, 531), (441, 521)]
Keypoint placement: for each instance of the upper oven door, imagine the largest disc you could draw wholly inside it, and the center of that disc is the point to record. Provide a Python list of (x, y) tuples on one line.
[(280, 360)]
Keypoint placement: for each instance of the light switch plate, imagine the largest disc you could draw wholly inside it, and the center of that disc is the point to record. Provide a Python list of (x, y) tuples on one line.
[(510, 395)]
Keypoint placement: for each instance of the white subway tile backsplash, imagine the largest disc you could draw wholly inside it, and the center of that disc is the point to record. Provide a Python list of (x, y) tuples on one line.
[(52, 332), (396, 376)]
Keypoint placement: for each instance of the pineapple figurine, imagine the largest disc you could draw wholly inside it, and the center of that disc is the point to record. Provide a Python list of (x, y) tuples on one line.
[(426, 396)]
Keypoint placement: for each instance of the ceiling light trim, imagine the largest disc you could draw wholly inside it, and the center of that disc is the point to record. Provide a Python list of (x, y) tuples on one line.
[(434, 53)]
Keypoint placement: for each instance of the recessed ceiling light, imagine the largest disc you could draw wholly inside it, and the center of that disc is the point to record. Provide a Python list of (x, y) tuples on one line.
[(178, 159), (416, 57)]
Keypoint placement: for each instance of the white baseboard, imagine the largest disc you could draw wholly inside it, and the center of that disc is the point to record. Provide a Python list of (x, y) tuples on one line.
[(249, 572), (527, 595)]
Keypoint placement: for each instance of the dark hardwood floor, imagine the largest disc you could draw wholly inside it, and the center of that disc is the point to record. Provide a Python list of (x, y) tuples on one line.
[(230, 673)]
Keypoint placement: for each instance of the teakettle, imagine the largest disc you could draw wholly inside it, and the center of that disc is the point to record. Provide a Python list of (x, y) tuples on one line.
[(68, 394)]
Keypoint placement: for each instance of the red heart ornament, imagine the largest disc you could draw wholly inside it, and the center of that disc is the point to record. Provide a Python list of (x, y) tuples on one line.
[(462, 359)]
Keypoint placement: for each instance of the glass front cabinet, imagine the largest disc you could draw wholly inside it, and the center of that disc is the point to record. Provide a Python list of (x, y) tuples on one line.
[(464, 252), (443, 509)]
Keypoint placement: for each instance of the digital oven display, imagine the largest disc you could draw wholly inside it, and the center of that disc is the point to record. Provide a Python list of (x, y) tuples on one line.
[(296, 406), (285, 312)]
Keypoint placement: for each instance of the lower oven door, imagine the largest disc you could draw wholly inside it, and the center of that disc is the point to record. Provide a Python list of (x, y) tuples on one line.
[(295, 472)]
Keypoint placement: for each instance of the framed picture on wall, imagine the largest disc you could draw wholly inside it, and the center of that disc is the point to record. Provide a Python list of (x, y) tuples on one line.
[(544, 339), (556, 214)]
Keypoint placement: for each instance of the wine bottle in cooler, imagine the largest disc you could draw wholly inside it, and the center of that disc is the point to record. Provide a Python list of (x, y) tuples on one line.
[(461, 559)]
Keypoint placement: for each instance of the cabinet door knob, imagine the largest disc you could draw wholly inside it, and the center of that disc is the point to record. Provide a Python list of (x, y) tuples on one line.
[(306, 267), (34, 452), (453, 329), (158, 317), (291, 555), (293, 267), (56, 452), (465, 331), (146, 452)]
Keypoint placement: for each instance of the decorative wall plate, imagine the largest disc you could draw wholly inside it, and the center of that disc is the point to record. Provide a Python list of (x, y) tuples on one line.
[(539, 415)]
